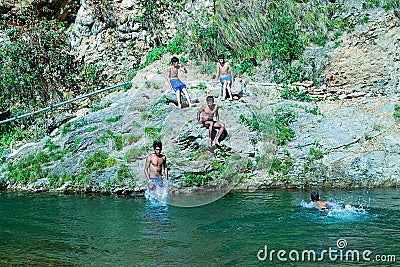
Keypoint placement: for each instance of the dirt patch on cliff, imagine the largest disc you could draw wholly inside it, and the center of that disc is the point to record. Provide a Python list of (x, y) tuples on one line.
[(368, 60)]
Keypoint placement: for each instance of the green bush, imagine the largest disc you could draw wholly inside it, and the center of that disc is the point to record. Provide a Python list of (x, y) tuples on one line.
[(98, 161), (177, 45), (34, 68), (207, 68), (293, 94), (282, 166), (153, 132), (154, 54), (283, 42), (110, 135), (396, 112), (204, 41), (197, 179), (245, 66), (283, 118), (315, 154), (134, 153), (115, 118), (71, 126), (34, 167), (371, 3)]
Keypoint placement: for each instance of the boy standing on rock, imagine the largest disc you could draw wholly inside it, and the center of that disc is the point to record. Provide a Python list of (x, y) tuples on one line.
[(226, 80), (175, 83), (208, 121)]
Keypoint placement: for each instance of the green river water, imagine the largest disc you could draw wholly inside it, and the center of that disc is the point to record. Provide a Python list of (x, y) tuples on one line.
[(240, 229)]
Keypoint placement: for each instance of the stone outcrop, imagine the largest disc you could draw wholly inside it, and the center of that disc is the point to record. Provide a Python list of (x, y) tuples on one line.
[(368, 60), (346, 143), (122, 32), (348, 138)]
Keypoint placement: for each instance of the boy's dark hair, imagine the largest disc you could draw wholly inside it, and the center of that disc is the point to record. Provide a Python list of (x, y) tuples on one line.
[(174, 59), (221, 56), (208, 98), (314, 196), (157, 144)]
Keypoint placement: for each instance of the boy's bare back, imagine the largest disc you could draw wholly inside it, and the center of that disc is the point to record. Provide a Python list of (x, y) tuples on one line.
[(172, 72)]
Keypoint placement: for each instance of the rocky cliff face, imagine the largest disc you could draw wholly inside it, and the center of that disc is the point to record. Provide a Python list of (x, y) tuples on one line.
[(348, 138), (120, 33)]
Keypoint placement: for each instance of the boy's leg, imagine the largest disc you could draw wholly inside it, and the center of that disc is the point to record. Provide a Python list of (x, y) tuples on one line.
[(223, 90), (209, 125), (178, 98), (210, 129), (228, 87), (187, 96), (221, 127)]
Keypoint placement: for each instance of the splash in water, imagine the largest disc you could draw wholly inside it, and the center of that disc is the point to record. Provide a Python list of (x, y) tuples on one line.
[(157, 193), (339, 211)]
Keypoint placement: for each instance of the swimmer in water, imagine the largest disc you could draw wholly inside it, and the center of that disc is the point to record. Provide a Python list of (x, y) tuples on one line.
[(321, 205)]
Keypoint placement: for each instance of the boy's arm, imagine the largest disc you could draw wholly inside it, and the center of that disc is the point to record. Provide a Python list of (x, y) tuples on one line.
[(168, 75), (199, 113), (184, 68), (217, 75), (146, 168), (232, 76), (165, 168)]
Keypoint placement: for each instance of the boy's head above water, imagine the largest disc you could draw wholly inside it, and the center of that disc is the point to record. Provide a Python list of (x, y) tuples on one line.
[(314, 196)]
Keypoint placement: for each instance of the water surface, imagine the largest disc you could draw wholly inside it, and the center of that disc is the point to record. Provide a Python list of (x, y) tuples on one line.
[(73, 230)]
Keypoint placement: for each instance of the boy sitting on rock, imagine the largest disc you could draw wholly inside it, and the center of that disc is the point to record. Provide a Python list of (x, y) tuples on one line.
[(207, 120)]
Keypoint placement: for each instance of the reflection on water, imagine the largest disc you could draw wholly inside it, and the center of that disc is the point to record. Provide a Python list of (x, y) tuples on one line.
[(51, 230), (157, 221)]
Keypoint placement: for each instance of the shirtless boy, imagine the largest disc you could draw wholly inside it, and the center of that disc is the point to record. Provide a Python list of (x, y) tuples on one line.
[(222, 73), (321, 205), (154, 165), (175, 83), (208, 121)]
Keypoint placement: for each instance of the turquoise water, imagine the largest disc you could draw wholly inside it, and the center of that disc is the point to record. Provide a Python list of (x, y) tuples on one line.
[(58, 230)]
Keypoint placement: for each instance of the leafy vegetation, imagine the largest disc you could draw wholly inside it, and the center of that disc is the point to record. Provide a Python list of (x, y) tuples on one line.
[(294, 94), (283, 118), (124, 177), (35, 166), (109, 135), (35, 70), (98, 161), (313, 155), (279, 125), (134, 153), (281, 166), (71, 126), (396, 112), (198, 179), (153, 132), (115, 118)]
